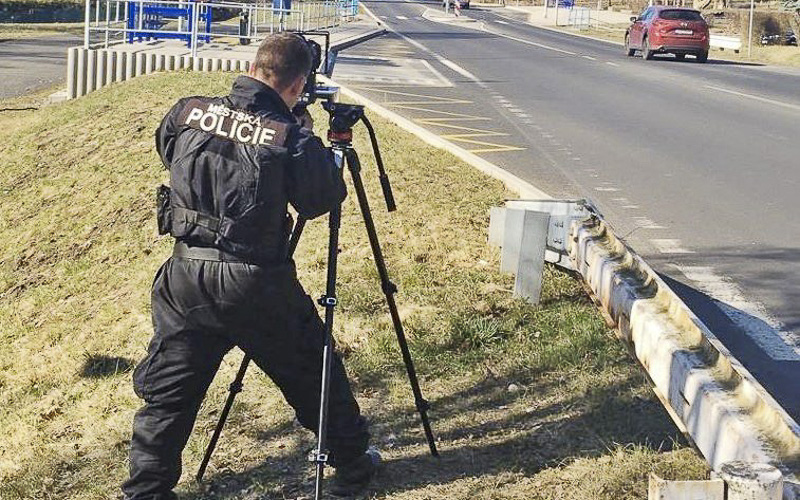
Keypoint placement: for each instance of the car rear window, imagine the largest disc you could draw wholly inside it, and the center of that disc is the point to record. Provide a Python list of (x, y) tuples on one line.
[(681, 15)]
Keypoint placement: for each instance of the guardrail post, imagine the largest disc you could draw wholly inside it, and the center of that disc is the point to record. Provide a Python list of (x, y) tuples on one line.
[(751, 481)]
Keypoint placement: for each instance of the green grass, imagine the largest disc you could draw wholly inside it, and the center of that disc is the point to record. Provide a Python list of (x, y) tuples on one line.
[(528, 402)]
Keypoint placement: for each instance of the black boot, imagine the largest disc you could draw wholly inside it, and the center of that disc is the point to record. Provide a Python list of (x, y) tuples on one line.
[(353, 477)]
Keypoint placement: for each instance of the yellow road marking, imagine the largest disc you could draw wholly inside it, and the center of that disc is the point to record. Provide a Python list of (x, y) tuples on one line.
[(427, 98), (479, 131), (449, 116)]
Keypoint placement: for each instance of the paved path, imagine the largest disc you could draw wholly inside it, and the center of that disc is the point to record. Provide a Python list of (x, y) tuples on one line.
[(695, 165), (33, 63)]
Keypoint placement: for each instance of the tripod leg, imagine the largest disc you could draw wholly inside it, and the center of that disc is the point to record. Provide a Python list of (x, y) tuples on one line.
[(235, 388), (389, 289), (328, 301)]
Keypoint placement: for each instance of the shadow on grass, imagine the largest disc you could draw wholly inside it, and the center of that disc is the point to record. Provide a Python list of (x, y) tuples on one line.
[(503, 435), (99, 366)]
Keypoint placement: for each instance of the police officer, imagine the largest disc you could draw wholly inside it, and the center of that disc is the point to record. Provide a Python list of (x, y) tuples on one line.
[(235, 163)]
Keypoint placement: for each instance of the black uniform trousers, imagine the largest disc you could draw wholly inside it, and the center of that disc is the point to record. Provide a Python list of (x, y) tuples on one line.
[(201, 309)]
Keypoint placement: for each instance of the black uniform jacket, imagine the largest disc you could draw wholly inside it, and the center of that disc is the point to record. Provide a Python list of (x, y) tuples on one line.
[(235, 162)]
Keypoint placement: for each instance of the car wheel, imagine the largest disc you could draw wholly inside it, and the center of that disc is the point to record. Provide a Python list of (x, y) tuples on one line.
[(680, 57), (628, 50), (647, 53), (702, 56)]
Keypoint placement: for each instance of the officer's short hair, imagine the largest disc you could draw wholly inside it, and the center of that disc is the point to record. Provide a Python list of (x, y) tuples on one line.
[(282, 58)]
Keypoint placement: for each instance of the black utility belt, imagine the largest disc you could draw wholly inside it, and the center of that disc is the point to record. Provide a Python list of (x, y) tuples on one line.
[(184, 251)]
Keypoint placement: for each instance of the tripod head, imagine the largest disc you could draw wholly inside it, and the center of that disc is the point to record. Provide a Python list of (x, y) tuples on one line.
[(342, 119)]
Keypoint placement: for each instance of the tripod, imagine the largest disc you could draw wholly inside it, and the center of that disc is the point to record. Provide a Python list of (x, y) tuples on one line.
[(342, 119)]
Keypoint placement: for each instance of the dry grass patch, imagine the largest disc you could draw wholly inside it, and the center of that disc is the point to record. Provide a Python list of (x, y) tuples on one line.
[(15, 31), (528, 402)]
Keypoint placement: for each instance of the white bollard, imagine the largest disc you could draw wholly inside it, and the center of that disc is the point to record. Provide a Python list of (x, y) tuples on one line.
[(197, 64), (207, 62), (100, 74), (80, 73), (122, 60), (752, 481), (111, 67), (130, 65), (140, 59), (72, 71), (149, 63), (91, 70), (171, 63), (161, 62)]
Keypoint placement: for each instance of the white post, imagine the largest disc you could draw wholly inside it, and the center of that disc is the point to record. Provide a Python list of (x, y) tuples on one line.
[(87, 19), (195, 21), (750, 33), (746, 481), (546, 5), (556, 12), (108, 21)]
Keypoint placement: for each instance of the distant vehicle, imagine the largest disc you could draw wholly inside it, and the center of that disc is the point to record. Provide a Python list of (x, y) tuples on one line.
[(462, 4), (661, 29), (788, 38)]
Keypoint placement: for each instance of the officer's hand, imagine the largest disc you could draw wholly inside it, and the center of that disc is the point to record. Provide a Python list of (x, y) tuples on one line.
[(306, 121)]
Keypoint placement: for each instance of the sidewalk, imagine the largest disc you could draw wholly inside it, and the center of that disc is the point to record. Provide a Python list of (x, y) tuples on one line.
[(539, 17)]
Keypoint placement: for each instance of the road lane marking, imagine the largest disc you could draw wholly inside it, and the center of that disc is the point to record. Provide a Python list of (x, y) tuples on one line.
[(535, 44), (755, 98), (403, 18), (589, 58), (498, 21), (612, 64), (670, 246)]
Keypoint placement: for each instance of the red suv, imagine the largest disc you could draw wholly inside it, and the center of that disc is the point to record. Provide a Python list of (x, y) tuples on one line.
[(668, 30)]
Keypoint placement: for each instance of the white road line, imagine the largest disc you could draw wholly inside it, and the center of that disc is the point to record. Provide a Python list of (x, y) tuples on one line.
[(751, 317), (500, 22), (404, 18), (589, 58), (756, 98), (606, 189), (528, 42), (645, 223), (670, 246), (612, 64)]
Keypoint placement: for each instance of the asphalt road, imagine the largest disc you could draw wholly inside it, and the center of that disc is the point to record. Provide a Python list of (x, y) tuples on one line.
[(30, 64), (696, 165)]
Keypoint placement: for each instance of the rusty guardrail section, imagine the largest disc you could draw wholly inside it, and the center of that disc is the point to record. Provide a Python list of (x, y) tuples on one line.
[(709, 394)]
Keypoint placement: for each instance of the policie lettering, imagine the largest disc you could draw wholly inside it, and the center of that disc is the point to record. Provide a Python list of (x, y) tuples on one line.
[(233, 124)]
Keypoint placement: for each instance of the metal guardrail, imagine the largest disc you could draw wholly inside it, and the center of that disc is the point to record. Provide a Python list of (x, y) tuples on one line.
[(114, 21), (726, 42)]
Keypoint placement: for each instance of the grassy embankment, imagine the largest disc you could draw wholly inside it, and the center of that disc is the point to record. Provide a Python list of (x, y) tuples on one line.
[(528, 402)]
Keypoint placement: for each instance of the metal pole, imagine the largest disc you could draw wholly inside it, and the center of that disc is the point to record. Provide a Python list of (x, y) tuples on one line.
[(87, 19), (750, 33), (546, 4), (556, 12), (108, 21)]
